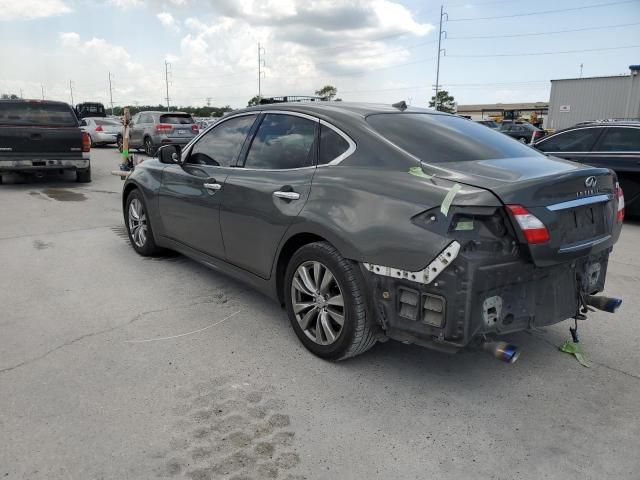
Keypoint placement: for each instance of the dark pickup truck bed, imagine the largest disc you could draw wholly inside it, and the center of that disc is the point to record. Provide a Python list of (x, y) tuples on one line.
[(39, 136)]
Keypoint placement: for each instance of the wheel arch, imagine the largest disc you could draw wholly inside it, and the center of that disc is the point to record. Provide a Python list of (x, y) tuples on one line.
[(291, 246)]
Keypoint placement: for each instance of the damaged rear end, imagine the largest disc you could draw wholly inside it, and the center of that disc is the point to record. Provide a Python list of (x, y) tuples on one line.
[(534, 255)]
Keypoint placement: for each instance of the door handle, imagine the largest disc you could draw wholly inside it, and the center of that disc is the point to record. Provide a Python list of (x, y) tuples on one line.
[(212, 186), (287, 195)]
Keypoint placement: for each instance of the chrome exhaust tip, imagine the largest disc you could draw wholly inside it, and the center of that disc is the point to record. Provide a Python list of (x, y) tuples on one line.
[(503, 351), (606, 304)]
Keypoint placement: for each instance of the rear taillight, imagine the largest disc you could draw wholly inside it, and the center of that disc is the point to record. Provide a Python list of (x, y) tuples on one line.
[(99, 128), (532, 228), (195, 129), (86, 143), (620, 197), (163, 127)]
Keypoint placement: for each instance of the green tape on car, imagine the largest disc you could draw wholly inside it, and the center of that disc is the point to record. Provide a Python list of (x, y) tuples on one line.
[(448, 199), (417, 171)]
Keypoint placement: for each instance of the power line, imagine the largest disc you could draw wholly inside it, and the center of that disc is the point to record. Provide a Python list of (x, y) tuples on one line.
[(543, 12), (604, 27), (542, 53)]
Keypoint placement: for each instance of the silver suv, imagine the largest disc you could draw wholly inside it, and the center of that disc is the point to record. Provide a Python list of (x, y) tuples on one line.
[(151, 130)]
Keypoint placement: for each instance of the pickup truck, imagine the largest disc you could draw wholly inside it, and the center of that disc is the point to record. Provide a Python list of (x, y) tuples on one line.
[(42, 136)]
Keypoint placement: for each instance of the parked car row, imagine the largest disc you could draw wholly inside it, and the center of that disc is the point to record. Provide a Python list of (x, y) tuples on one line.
[(524, 132)]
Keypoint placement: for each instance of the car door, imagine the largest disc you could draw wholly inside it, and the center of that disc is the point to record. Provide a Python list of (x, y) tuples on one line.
[(266, 193), (135, 138), (618, 148), (575, 144), (191, 193)]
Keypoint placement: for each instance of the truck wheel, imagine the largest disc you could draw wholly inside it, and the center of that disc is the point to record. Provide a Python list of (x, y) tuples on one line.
[(83, 176), (325, 301), (149, 149), (138, 225)]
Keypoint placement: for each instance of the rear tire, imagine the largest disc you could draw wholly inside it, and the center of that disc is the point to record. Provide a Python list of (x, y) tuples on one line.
[(316, 316), (149, 149), (136, 218), (83, 176)]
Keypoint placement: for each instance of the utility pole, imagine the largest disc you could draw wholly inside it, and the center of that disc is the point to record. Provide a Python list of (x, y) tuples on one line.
[(42, 88), (581, 65), (166, 79), (440, 32), (208, 101), (261, 52), (21, 94), (110, 93), (71, 91)]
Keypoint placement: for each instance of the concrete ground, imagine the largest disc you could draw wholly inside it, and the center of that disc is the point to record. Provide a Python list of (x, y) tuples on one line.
[(113, 366)]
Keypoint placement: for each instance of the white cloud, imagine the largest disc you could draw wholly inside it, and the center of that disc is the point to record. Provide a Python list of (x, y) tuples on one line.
[(30, 9), (168, 21)]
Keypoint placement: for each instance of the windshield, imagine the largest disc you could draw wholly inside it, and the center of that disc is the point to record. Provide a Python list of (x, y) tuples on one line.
[(444, 138), (176, 119), (36, 113)]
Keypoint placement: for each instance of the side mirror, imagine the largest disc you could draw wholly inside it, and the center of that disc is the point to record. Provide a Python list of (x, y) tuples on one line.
[(170, 154)]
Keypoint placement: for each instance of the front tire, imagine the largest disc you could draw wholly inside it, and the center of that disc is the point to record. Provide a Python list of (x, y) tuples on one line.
[(138, 225), (326, 304)]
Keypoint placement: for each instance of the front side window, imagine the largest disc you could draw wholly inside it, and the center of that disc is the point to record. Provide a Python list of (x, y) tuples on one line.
[(282, 142), (580, 140), (221, 145), (332, 145), (620, 139)]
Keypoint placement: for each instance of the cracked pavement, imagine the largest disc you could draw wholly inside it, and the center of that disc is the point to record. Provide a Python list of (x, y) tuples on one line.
[(78, 400)]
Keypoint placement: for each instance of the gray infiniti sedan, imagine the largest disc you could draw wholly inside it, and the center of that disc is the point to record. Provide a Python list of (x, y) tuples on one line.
[(375, 222)]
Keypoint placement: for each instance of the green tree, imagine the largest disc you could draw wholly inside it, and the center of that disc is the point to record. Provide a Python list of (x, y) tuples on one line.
[(254, 101), (445, 102), (327, 93), (6, 96)]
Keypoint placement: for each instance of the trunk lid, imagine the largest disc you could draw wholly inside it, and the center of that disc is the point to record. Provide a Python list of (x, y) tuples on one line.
[(576, 203)]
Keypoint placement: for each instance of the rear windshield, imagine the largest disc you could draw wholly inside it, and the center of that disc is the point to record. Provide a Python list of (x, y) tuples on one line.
[(37, 114), (107, 122), (91, 108), (174, 119), (443, 138)]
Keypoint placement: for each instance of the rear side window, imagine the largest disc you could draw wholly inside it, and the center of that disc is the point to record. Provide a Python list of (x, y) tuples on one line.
[(37, 114), (580, 140), (332, 145), (438, 138), (620, 139), (105, 123), (282, 142), (220, 146), (176, 119)]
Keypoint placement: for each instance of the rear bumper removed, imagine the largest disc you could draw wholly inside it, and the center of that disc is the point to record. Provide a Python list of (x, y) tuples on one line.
[(38, 165), (472, 298)]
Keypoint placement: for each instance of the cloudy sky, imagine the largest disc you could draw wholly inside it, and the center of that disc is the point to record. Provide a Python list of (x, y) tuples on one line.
[(372, 50)]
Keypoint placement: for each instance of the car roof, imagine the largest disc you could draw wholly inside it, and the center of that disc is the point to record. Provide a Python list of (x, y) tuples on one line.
[(328, 108), (25, 100), (599, 124), (158, 112)]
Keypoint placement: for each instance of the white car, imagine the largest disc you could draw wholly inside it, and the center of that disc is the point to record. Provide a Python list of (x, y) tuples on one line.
[(101, 131)]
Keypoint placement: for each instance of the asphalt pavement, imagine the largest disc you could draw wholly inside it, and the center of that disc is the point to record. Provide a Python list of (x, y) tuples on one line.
[(114, 366)]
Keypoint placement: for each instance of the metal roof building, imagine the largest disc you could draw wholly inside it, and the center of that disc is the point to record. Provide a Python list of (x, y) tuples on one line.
[(576, 100)]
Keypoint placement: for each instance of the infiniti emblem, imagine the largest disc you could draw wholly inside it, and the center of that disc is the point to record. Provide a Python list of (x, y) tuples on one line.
[(590, 182)]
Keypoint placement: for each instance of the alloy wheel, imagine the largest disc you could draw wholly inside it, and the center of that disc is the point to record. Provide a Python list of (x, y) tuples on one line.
[(137, 223), (317, 302), (148, 148)]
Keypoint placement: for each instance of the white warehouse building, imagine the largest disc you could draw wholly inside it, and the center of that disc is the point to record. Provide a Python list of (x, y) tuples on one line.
[(576, 100)]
